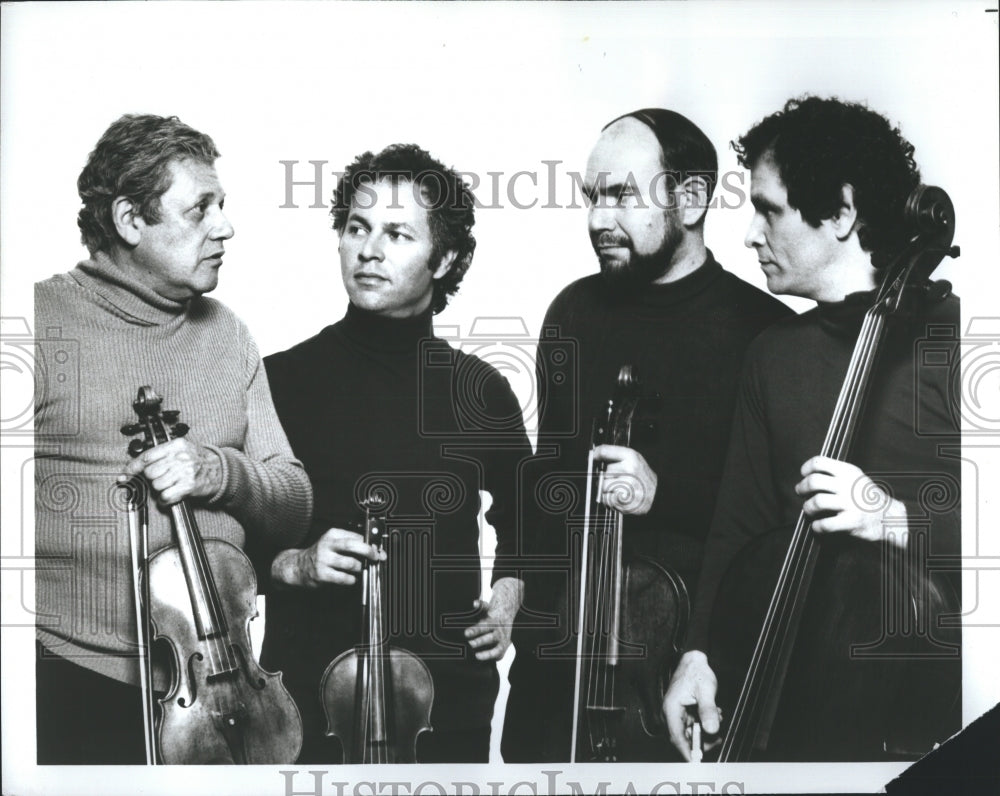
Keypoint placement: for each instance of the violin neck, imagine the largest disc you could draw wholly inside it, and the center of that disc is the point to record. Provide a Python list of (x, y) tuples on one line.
[(206, 606), (374, 673)]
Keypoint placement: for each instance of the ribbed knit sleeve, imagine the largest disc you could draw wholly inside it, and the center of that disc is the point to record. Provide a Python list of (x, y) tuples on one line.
[(100, 336), (263, 485)]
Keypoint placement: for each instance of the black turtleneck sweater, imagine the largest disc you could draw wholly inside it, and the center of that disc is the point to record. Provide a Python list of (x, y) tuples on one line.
[(908, 441), (686, 340), (374, 402)]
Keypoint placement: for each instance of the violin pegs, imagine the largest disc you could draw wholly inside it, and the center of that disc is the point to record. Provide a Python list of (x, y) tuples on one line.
[(171, 415), (181, 429), (135, 447), (131, 429)]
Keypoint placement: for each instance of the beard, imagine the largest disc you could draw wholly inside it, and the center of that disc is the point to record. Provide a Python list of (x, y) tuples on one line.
[(635, 270)]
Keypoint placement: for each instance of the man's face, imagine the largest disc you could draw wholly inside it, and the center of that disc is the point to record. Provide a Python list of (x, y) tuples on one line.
[(634, 220), (795, 256), (180, 255), (386, 249)]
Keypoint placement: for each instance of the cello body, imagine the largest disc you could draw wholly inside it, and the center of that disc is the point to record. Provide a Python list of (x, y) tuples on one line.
[(836, 640), (852, 691)]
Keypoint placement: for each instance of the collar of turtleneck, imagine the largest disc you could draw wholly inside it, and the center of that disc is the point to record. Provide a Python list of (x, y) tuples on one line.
[(130, 297), (845, 317), (380, 333), (681, 290)]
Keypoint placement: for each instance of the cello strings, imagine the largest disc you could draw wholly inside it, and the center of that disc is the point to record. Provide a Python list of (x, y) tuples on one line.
[(797, 561)]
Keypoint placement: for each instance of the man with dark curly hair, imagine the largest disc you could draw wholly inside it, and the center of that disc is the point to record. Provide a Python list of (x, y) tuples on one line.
[(134, 314), (829, 183), (376, 405)]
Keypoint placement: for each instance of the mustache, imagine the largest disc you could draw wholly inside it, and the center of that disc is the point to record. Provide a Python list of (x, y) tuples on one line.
[(610, 239)]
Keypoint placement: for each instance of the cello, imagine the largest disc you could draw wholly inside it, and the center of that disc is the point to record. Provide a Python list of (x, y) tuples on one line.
[(632, 616), (812, 617), (200, 597), (377, 698)]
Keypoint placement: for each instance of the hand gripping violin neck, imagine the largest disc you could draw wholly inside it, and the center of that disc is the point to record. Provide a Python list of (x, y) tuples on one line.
[(200, 597), (377, 698), (632, 616)]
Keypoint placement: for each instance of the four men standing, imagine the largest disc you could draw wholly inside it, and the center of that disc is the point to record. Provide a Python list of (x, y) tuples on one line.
[(376, 406)]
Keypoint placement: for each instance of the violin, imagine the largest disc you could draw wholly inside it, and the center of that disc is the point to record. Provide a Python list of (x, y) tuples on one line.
[(377, 698), (633, 614), (806, 654), (200, 597)]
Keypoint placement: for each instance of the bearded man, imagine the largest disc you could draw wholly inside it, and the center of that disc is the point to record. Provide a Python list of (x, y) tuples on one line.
[(662, 304)]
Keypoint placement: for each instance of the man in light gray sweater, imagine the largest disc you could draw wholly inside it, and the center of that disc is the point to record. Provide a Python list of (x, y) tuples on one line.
[(134, 314)]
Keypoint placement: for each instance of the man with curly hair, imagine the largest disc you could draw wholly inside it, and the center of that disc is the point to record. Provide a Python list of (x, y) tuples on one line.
[(376, 405), (829, 183), (134, 314)]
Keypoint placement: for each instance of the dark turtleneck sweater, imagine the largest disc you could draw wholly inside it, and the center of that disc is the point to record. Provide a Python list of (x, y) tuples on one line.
[(686, 340), (375, 402), (908, 441)]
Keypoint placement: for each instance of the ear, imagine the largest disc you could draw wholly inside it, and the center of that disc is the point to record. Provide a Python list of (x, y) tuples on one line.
[(128, 222), (694, 191), (844, 223), (447, 261)]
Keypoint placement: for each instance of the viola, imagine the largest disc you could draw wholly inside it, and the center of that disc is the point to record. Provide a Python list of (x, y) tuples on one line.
[(822, 603), (377, 697), (633, 613), (200, 595)]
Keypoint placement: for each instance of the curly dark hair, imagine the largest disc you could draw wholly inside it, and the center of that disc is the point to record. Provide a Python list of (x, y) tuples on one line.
[(448, 200), (132, 159), (819, 145)]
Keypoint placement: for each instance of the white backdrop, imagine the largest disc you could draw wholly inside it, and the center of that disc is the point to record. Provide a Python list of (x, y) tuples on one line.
[(499, 88)]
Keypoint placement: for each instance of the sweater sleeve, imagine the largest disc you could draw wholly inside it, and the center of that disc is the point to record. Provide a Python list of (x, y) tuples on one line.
[(747, 503), (501, 473), (263, 485)]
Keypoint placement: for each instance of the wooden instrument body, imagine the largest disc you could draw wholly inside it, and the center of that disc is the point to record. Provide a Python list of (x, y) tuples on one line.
[(823, 680), (633, 616), (200, 596), (858, 687), (198, 714), (409, 694), (377, 698), (630, 727)]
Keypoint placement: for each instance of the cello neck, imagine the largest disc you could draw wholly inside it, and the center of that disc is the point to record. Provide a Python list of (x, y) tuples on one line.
[(931, 218)]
